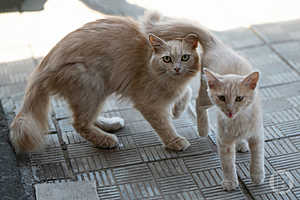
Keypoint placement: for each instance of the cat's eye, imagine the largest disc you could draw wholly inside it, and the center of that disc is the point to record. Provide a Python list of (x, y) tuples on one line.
[(221, 98), (185, 57), (167, 59), (239, 98)]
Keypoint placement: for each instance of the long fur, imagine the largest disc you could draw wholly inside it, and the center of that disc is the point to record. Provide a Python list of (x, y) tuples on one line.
[(107, 56)]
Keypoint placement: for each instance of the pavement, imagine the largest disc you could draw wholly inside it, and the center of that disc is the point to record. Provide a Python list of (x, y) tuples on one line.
[(140, 168)]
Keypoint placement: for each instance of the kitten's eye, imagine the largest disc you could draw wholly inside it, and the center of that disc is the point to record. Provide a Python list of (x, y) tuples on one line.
[(221, 98), (185, 57), (239, 98), (167, 59)]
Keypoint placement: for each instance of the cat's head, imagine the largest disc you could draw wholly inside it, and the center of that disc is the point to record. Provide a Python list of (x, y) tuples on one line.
[(231, 93), (175, 58)]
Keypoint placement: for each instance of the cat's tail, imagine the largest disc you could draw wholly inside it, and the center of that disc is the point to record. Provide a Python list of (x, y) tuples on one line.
[(31, 123), (171, 28)]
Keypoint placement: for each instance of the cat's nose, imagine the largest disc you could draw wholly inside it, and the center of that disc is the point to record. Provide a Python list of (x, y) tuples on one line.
[(177, 69)]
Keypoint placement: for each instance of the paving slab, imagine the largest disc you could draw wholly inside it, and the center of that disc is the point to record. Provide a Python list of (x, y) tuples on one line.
[(66, 191), (279, 31), (239, 38)]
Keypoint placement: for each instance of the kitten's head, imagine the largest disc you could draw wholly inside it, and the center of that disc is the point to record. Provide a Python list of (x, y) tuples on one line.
[(175, 58), (231, 93)]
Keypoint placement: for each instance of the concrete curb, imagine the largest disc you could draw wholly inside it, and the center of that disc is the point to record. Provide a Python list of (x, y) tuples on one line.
[(11, 187)]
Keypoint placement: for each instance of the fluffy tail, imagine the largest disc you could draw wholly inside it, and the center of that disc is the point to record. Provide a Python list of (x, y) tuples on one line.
[(31, 123), (171, 28)]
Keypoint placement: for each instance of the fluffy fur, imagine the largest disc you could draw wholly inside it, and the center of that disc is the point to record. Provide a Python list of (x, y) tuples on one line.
[(104, 57), (232, 68)]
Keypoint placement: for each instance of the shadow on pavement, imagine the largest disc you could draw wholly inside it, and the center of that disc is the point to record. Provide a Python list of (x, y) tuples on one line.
[(120, 7), (21, 5)]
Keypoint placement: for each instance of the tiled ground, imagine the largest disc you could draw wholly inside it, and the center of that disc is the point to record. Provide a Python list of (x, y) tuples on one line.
[(140, 168)]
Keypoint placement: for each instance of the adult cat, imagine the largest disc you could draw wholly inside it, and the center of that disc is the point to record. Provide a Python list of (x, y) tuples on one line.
[(101, 58)]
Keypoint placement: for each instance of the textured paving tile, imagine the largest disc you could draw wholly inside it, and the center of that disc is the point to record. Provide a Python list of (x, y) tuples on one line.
[(67, 190), (279, 31), (289, 52), (239, 38), (273, 69)]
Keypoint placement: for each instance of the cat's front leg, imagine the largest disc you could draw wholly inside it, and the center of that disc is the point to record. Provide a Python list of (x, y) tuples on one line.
[(227, 158), (181, 104), (160, 120), (257, 170), (202, 104)]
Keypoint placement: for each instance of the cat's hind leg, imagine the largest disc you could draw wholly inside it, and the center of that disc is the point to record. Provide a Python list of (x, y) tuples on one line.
[(85, 112), (181, 104), (110, 124)]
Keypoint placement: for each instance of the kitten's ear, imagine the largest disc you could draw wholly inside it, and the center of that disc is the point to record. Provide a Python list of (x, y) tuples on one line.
[(156, 42), (251, 80), (192, 39), (211, 79)]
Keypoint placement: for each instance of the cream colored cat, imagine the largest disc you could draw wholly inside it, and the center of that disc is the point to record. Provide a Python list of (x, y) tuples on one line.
[(246, 124), (101, 58), (239, 119)]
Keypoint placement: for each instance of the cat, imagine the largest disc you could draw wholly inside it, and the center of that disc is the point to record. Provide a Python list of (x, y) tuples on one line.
[(239, 119), (105, 57), (221, 59)]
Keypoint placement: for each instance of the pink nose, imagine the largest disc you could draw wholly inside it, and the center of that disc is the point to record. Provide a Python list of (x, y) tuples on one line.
[(177, 69)]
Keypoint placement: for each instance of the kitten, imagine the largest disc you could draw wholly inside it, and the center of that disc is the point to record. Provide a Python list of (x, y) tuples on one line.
[(239, 119), (221, 59), (105, 57)]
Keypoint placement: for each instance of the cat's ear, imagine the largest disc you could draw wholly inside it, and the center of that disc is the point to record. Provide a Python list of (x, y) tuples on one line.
[(192, 39), (251, 80), (211, 79), (156, 42)]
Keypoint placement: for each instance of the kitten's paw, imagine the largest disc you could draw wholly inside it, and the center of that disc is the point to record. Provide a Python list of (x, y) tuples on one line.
[(110, 124), (230, 185), (258, 177), (179, 144), (242, 147), (108, 141)]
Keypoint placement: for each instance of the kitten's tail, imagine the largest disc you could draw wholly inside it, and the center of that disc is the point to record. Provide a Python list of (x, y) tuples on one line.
[(31, 123), (171, 28)]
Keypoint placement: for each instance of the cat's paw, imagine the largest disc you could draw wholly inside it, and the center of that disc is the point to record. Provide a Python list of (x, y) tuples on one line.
[(257, 177), (242, 147), (230, 185), (110, 124), (179, 144), (108, 141), (203, 131), (177, 111)]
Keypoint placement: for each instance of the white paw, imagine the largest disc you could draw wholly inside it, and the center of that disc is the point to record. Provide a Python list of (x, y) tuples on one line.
[(230, 185), (242, 147), (257, 177), (179, 144), (110, 124)]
